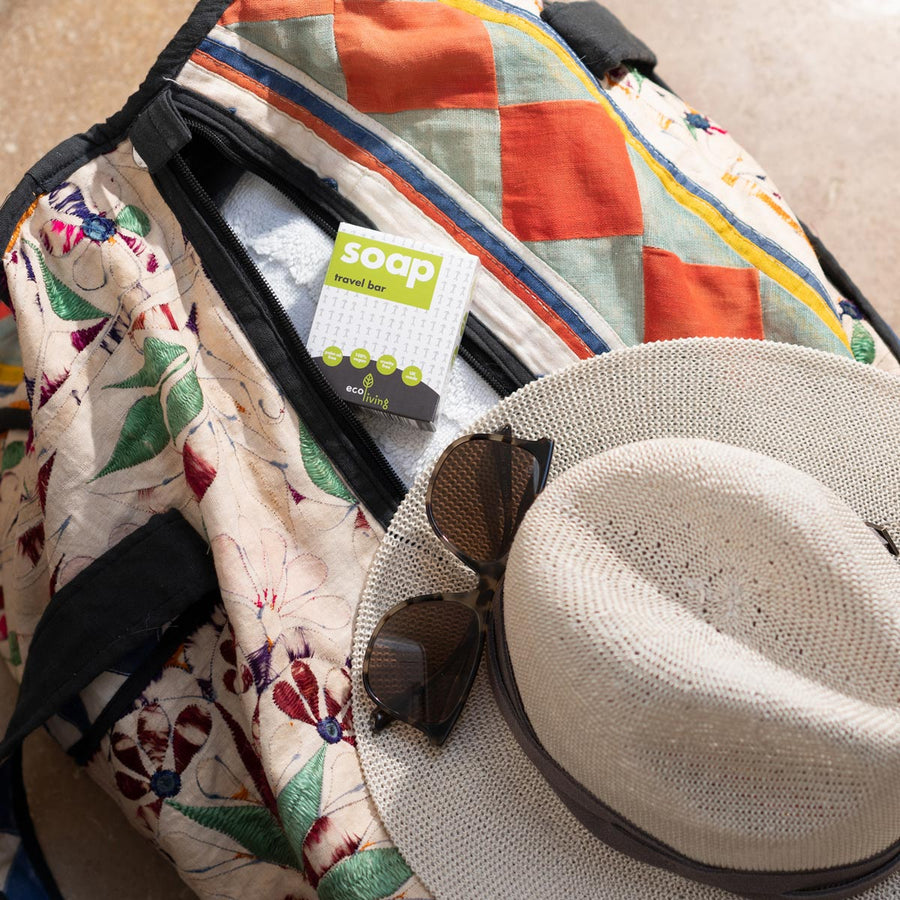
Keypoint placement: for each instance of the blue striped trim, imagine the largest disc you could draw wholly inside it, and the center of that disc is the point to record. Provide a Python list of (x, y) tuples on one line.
[(384, 153), (764, 243)]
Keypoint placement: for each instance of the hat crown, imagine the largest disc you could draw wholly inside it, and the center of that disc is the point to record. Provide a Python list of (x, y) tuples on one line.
[(708, 640)]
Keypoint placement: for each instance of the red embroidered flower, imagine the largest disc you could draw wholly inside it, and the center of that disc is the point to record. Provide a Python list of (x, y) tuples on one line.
[(303, 704), (154, 763), (237, 678), (90, 234)]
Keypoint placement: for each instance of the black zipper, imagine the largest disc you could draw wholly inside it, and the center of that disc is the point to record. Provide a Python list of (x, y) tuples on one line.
[(327, 223), (369, 455)]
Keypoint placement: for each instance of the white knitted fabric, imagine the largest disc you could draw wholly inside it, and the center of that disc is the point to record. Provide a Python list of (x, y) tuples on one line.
[(292, 253), (476, 819)]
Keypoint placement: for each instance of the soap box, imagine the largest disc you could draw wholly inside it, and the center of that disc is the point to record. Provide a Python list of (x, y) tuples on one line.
[(389, 321)]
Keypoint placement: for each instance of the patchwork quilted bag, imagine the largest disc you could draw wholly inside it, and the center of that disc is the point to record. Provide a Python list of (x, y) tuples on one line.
[(188, 511)]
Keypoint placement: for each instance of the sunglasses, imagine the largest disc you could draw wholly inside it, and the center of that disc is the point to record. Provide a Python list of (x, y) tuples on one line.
[(423, 655)]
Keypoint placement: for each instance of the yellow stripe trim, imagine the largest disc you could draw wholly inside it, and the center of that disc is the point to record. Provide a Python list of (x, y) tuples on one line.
[(754, 254)]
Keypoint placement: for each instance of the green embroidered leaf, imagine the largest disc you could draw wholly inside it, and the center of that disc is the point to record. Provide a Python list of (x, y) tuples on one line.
[(63, 300), (185, 401), (133, 219), (158, 356), (253, 827), (319, 468), (368, 875), (15, 655), (143, 436), (13, 453), (862, 344), (298, 803)]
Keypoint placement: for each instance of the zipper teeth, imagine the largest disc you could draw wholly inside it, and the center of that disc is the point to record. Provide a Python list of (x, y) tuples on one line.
[(308, 207), (342, 412), (487, 373)]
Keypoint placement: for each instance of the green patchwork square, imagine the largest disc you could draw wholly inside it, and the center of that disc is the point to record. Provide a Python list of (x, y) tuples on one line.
[(528, 72), (464, 143), (669, 226), (608, 273), (788, 320), (307, 44)]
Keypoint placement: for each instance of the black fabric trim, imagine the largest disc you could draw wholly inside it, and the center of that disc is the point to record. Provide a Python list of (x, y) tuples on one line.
[(492, 359), (598, 38), (613, 829), (74, 152), (25, 825), (158, 132), (107, 610), (123, 700), (838, 276), (268, 160), (12, 419)]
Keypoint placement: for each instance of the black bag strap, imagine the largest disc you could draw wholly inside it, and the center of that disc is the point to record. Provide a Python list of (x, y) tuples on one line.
[(107, 611), (162, 573), (598, 38)]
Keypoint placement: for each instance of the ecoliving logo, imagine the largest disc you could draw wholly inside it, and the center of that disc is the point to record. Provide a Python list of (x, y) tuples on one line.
[(379, 269), (367, 398)]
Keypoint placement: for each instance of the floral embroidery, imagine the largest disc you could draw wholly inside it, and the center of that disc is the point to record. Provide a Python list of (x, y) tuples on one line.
[(150, 768), (147, 427), (298, 834), (285, 610), (697, 122), (862, 344), (89, 233), (303, 703)]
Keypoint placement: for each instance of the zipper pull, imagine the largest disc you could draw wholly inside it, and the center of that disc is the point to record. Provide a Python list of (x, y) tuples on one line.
[(159, 132)]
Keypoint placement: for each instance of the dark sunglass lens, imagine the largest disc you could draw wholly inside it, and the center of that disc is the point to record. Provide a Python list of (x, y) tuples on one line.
[(479, 495), (421, 659)]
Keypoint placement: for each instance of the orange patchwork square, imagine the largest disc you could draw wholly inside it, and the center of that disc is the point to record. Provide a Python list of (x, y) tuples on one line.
[(566, 173), (408, 55), (687, 300), (274, 10)]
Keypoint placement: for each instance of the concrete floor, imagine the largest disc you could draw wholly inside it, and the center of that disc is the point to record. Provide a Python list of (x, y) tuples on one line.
[(808, 87)]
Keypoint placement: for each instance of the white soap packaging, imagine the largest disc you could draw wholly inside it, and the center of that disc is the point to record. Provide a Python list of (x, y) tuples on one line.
[(389, 321)]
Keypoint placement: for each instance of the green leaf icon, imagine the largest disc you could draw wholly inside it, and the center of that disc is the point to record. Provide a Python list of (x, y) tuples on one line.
[(300, 801), (184, 403), (368, 381), (366, 875), (251, 827), (63, 300), (13, 454), (134, 219)]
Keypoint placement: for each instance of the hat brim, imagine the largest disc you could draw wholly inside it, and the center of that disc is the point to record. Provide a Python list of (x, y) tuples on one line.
[(474, 817)]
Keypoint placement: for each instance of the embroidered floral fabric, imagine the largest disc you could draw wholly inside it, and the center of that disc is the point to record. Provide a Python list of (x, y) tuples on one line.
[(238, 758)]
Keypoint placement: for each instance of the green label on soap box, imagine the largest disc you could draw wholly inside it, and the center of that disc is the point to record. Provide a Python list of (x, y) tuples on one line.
[(380, 269)]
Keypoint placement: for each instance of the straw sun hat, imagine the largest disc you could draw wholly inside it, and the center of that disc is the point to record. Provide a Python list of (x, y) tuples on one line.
[(697, 646)]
